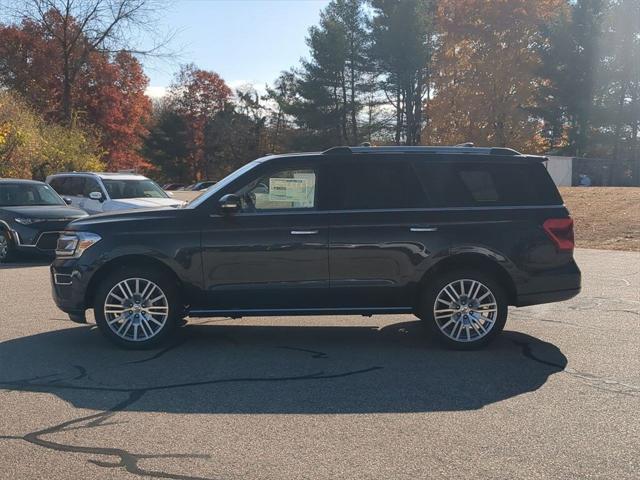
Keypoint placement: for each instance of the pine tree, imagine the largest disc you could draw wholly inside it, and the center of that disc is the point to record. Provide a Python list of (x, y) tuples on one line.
[(403, 34), (331, 84)]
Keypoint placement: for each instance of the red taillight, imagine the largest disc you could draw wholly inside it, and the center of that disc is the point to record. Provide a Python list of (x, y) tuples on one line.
[(560, 231)]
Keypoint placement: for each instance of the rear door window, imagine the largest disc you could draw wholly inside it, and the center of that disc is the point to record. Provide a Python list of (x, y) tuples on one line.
[(456, 184), (370, 184)]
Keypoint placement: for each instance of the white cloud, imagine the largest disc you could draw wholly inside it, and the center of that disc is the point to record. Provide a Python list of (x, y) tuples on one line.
[(156, 92), (153, 91), (243, 84)]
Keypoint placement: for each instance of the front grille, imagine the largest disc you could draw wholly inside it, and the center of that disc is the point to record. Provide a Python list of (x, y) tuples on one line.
[(48, 241)]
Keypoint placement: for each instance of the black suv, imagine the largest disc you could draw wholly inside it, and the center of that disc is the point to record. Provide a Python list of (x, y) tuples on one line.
[(32, 215), (451, 234)]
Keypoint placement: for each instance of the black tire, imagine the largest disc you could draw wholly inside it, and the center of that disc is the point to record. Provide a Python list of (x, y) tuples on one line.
[(164, 283), (7, 249), (444, 335)]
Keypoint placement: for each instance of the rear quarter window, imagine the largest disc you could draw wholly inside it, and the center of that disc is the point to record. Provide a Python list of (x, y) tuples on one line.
[(455, 184)]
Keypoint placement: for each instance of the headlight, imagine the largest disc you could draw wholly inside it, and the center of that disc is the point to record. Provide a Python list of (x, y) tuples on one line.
[(73, 244), (29, 221)]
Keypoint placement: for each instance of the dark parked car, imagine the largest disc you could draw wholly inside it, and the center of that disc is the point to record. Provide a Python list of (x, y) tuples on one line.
[(31, 216), (196, 187), (451, 234), (173, 186)]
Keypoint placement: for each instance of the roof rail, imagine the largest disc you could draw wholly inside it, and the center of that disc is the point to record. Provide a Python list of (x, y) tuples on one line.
[(423, 149)]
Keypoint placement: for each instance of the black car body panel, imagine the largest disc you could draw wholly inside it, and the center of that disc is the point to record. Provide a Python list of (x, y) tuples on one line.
[(324, 259)]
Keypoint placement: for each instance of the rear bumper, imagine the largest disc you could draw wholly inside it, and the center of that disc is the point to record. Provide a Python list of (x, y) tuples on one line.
[(550, 285), (546, 297)]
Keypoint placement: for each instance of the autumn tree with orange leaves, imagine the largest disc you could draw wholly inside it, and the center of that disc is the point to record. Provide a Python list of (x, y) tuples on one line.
[(486, 70), (71, 62), (197, 96)]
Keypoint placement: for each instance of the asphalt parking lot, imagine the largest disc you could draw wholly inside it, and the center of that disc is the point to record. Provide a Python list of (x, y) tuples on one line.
[(556, 396)]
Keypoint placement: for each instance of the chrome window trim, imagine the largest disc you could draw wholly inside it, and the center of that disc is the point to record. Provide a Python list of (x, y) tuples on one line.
[(392, 210)]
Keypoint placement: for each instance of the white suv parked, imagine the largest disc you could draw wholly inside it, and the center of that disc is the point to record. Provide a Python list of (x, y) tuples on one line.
[(104, 192)]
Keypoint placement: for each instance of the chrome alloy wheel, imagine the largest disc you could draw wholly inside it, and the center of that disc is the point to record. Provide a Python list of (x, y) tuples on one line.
[(136, 309), (4, 246), (465, 310)]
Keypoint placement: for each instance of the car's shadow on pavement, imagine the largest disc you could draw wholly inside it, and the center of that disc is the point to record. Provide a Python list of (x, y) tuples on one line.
[(25, 261), (278, 369)]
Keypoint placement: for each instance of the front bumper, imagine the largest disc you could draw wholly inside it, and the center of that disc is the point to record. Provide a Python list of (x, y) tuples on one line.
[(37, 240), (69, 284)]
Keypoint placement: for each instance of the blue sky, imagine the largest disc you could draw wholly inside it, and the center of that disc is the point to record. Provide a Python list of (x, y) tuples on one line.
[(245, 41)]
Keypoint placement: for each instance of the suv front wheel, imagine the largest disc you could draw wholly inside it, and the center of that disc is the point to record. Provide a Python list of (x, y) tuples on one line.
[(465, 309), (137, 308), (6, 247)]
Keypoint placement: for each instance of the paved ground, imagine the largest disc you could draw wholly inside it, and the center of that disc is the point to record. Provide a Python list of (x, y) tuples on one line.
[(557, 396)]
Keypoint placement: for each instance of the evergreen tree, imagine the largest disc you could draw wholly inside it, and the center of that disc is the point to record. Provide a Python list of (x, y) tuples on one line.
[(331, 84), (616, 111), (403, 34), (569, 64)]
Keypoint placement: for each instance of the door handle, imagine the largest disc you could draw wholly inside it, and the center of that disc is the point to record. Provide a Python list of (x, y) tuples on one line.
[(424, 229), (304, 232)]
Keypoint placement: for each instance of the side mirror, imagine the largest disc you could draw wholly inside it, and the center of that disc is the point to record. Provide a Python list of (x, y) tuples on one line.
[(229, 204), (67, 200), (96, 196)]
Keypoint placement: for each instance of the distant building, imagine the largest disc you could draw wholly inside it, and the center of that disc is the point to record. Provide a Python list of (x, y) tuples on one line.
[(561, 170)]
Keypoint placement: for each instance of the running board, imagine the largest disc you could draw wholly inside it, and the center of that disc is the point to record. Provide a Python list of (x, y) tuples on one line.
[(267, 312)]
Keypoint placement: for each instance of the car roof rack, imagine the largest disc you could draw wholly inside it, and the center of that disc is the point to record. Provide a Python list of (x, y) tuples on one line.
[(465, 148)]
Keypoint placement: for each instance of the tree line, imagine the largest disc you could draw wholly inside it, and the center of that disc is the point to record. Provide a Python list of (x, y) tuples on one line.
[(550, 76)]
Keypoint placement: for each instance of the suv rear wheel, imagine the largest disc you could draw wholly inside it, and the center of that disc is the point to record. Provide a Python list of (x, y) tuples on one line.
[(465, 309), (137, 308)]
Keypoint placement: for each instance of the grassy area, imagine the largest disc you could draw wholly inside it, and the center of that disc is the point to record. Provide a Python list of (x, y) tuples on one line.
[(605, 217)]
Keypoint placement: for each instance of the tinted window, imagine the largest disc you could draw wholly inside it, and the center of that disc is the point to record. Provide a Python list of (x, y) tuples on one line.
[(22, 194), (56, 183), (91, 185), (484, 184), (285, 189), (118, 189), (74, 186), (59, 184), (374, 184)]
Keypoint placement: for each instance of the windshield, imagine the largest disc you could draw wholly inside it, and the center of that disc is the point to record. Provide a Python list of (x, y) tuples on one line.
[(26, 194), (221, 184), (118, 189)]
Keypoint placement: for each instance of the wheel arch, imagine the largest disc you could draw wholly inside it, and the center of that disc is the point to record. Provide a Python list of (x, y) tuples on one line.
[(130, 260), (483, 262)]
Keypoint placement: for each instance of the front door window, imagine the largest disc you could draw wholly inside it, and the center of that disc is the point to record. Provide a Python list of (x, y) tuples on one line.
[(282, 190)]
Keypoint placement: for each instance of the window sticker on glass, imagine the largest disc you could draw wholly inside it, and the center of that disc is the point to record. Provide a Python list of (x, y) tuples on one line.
[(298, 191)]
